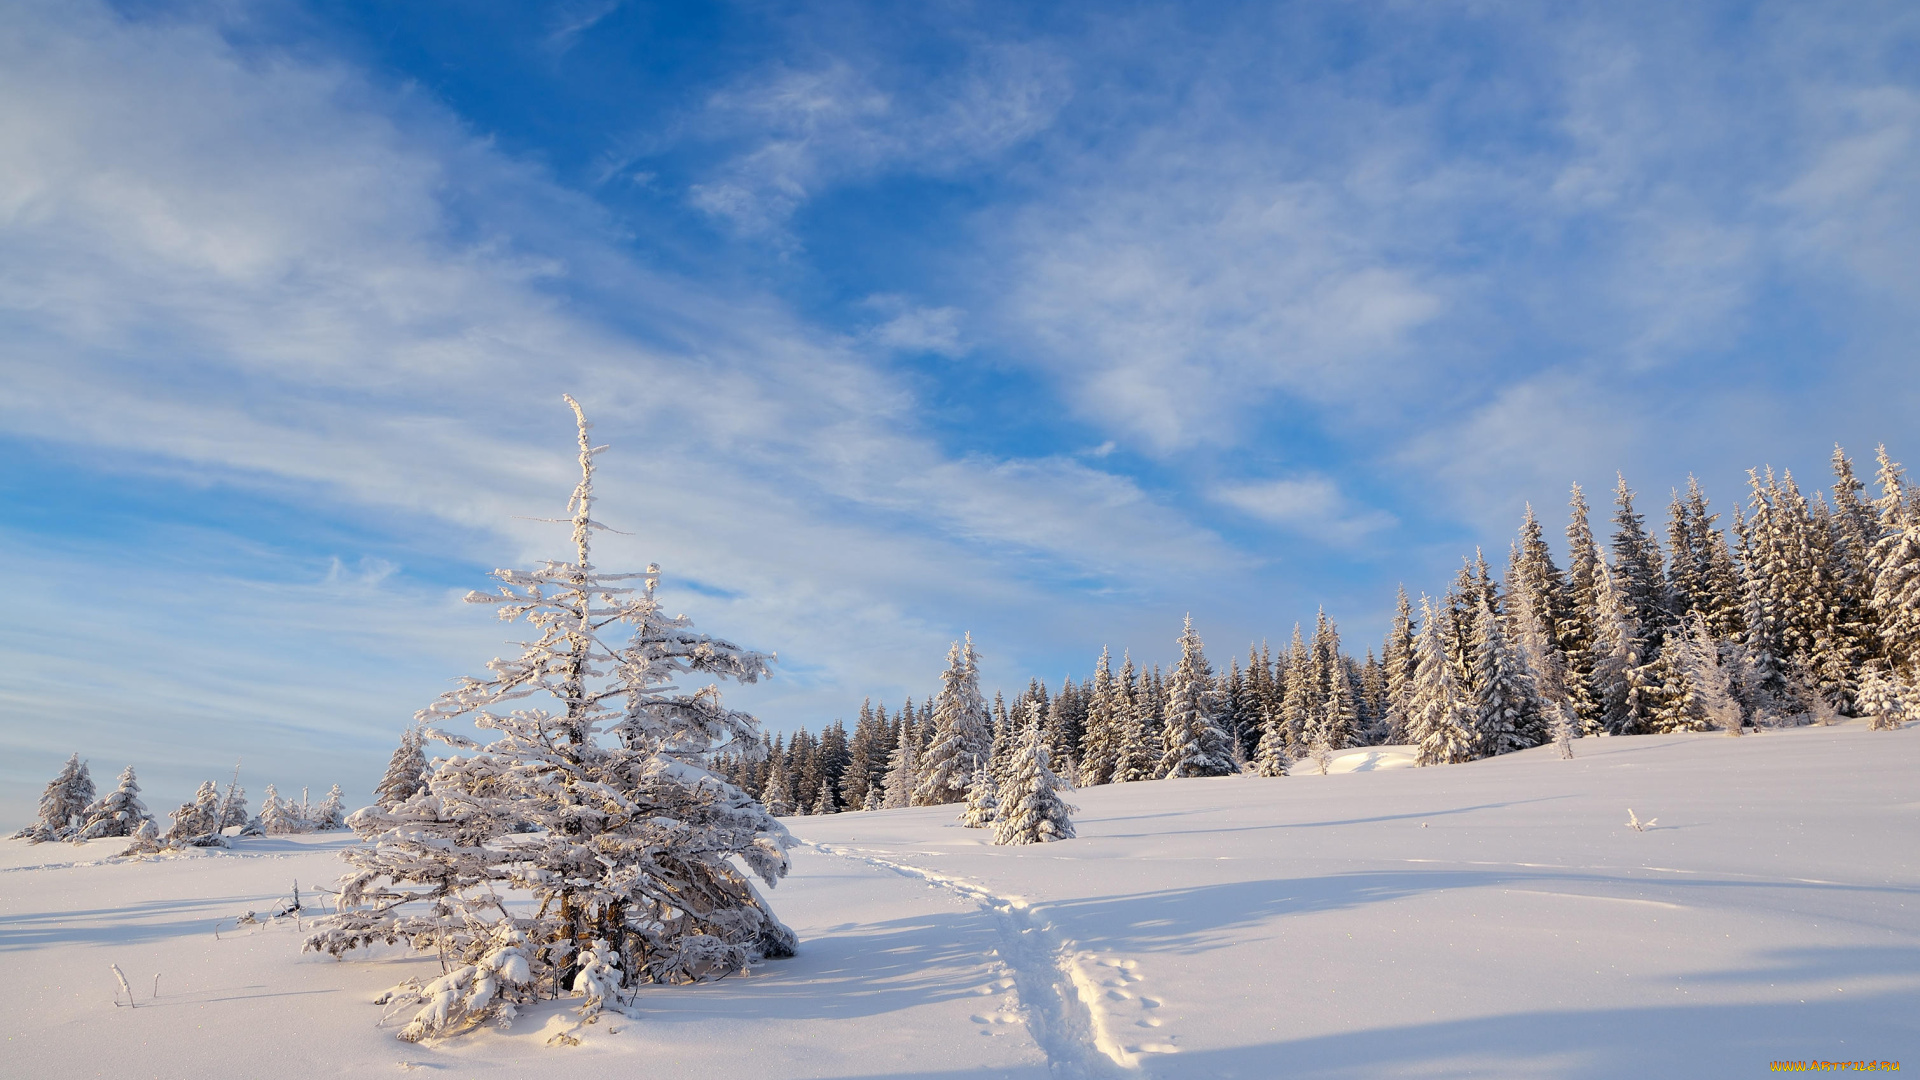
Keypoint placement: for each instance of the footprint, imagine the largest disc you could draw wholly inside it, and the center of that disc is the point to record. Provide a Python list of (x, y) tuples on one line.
[(1149, 1003), (1119, 995), (1148, 1022), (1155, 1048)]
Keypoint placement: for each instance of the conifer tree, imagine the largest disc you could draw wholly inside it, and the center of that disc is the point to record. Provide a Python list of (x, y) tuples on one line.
[(1506, 706), (1896, 574), (982, 801), (278, 817), (1886, 702), (1301, 699), (635, 841), (1441, 724), (1576, 631), (117, 813), (1031, 810), (197, 823), (1398, 659), (1273, 756), (903, 774), (963, 732), (778, 794), (1106, 720), (1137, 754), (332, 813), (63, 804), (1194, 744), (823, 801), (406, 772), (1637, 570)]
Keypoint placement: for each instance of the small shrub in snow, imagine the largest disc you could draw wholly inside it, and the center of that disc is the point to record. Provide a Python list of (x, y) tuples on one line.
[(1634, 822), (490, 989)]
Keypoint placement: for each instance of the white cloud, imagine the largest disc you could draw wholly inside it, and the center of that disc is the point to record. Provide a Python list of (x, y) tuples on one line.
[(1310, 505), (806, 128)]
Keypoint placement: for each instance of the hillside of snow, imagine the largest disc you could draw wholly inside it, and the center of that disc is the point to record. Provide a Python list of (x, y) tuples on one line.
[(1497, 918)]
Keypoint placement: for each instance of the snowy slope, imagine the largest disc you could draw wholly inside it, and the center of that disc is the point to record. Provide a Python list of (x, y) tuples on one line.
[(1491, 919)]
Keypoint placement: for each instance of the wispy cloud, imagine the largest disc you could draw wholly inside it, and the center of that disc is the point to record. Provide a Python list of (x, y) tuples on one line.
[(801, 129), (1311, 505)]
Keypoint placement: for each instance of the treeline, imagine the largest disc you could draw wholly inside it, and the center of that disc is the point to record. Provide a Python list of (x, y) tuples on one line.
[(69, 810), (1799, 610)]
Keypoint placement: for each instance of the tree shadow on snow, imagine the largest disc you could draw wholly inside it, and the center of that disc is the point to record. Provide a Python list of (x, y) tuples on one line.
[(849, 971), (130, 924), (1665, 1040)]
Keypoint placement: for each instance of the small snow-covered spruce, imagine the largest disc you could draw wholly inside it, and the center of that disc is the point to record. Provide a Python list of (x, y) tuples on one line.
[(1194, 743), (903, 774), (1886, 702), (491, 988), (598, 979), (332, 813), (117, 813), (635, 840), (1272, 758), (406, 771), (63, 804), (280, 817), (982, 801), (824, 802), (198, 823), (1031, 810), (1711, 684)]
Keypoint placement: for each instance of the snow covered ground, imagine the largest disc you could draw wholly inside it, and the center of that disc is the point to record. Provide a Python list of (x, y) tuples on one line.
[(1490, 919)]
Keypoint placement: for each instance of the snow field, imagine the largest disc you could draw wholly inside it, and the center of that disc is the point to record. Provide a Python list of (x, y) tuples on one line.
[(1490, 919)]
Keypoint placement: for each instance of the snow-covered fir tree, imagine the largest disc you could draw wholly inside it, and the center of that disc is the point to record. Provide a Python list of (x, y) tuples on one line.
[(823, 799), (1274, 756), (197, 823), (1887, 702), (1100, 741), (1138, 755), (117, 813), (778, 793), (903, 777), (1396, 655), (982, 800), (1576, 630), (1441, 723), (406, 772), (1194, 743), (1506, 707), (962, 730), (332, 813), (601, 810), (1031, 810), (281, 817), (63, 804), (1896, 573)]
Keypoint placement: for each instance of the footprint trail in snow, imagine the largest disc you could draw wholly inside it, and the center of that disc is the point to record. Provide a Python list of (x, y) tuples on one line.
[(1079, 1007)]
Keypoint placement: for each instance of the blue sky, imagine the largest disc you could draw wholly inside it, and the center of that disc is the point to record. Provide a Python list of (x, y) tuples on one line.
[(1049, 322)]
